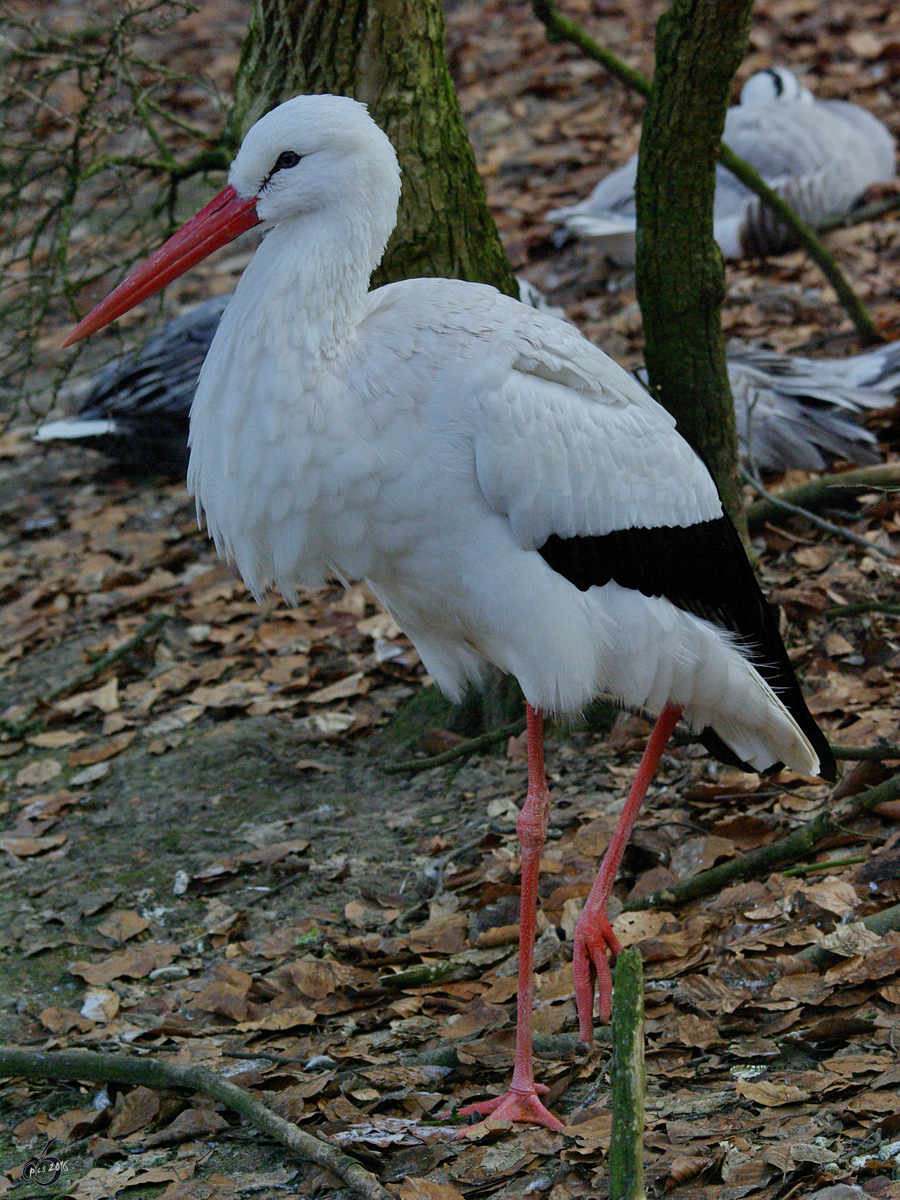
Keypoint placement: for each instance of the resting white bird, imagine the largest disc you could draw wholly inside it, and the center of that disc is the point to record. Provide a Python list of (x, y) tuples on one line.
[(511, 494), (819, 155), (790, 411)]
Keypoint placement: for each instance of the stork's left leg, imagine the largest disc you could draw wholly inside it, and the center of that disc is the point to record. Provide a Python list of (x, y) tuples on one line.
[(595, 943), (522, 1101)]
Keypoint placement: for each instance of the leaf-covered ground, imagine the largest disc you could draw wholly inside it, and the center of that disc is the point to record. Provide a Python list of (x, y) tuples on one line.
[(206, 861)]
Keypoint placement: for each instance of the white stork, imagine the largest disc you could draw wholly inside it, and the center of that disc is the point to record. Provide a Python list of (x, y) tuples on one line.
[(511, 494)]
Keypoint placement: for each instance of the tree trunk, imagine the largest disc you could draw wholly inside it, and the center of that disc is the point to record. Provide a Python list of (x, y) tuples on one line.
[(389, 54), (680, 274)]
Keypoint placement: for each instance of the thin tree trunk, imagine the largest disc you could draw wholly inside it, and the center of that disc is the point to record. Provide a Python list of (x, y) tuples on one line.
[(680, 274), (390, 55)]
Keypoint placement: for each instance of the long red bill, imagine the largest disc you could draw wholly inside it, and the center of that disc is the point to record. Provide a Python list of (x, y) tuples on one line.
[(218, 223)]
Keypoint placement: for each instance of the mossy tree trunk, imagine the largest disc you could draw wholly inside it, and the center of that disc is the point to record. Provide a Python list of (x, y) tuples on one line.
[(389, 54), (680, 274)]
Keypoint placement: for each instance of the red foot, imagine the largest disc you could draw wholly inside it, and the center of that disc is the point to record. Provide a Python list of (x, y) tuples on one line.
[(515, 1106), (596, 946)]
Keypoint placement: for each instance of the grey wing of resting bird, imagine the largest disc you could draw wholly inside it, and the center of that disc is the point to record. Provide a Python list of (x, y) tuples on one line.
[(819, 155), (790, 411), (137, 409), (800, 412)]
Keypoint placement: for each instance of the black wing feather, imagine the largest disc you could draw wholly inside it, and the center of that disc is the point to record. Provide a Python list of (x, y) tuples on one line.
[(701, 569)]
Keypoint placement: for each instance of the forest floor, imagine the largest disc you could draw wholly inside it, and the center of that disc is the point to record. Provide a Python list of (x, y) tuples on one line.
[(207, 862)]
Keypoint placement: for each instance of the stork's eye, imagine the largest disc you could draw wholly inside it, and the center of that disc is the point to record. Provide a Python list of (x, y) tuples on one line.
[(285, 160)]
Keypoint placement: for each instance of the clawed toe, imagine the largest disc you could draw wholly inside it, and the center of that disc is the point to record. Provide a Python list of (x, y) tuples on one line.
[(515, 1106), (596, 946)]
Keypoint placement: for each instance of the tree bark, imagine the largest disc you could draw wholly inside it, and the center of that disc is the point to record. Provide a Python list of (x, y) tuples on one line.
[(680, 274), (629, 1080), (390, 55)]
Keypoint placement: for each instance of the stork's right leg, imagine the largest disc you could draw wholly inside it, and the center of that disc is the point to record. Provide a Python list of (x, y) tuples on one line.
[(596, 946)]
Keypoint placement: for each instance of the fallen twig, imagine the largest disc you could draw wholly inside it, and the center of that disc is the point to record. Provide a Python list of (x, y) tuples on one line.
[(863, 212), (881, 750), (833, 864), (886, 921), (829, 526), (126, 1068), (820, 491), (425, 973), (865, 606), (441, 867), (626, 1149), (561, 28), (795, 845), (413, 766)]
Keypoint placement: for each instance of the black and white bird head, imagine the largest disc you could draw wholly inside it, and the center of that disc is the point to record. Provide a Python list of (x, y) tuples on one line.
[(777, 85)]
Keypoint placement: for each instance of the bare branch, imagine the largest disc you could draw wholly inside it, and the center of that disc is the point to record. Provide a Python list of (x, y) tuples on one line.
[(127, 1068)]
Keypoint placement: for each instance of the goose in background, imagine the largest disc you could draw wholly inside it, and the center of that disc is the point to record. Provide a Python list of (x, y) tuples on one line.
[(819, 155), (790, 411)]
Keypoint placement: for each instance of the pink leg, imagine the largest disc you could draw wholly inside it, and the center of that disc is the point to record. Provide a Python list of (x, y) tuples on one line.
[(593, 932), (521, 1102)]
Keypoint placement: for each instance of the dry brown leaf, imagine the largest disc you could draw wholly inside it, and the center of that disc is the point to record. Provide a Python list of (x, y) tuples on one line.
[(592, 1135), (122, 924), (105, 698), (443, 935), (27, 847), (63, 1020), (55, 739), (632, 928), (135, 963), (283, 1018), (477, 1018), (135, 1110), (834, 895), (101, 751), (100, 1005), (226, 993), (69, 1126), (415, 1188), (699, 854), (691, 1030), (770, 1094), (874, 1103), (352, 685), (38, 772), (314, 978), (192, 1123), (684, 1168)]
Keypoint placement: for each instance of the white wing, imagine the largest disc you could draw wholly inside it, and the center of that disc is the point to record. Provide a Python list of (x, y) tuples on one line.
[(564, 440)]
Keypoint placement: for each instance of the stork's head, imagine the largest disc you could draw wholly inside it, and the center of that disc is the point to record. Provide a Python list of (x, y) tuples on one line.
[(313, 156)]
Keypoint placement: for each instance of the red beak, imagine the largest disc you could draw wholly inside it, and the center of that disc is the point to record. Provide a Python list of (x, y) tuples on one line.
[(215, 225)]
